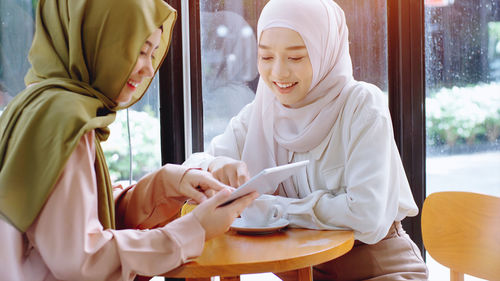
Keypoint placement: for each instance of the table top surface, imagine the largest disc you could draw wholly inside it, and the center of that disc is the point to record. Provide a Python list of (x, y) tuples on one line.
[(233, 254)]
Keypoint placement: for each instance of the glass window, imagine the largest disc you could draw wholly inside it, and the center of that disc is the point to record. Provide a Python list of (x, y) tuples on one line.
[(229, 53), (462, 99), (228, 61), (16, 34)]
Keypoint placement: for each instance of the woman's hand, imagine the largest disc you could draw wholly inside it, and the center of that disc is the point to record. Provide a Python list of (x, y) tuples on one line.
[(229, 171), (217, 220), (199, 185)]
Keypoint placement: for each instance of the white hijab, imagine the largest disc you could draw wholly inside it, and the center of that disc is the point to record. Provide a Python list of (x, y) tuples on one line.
[(274, 129)]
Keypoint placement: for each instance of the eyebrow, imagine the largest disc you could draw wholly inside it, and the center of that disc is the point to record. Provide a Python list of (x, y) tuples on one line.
[(298, 47)]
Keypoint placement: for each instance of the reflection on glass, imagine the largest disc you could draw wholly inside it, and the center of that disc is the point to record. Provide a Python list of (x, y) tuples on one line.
[(462, 98), (229, 56), (229, 53)]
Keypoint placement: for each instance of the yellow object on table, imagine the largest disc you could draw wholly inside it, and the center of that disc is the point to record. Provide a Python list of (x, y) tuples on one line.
[(188, 207)]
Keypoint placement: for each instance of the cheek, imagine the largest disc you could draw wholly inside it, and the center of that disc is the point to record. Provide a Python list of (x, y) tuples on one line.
[(306, 73), (261, 68), (137, 67), (263, 71)]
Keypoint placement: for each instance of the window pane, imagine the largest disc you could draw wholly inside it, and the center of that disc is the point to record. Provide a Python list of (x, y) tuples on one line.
[(228, 59), (229, 53), (16, 34), (462, 98)]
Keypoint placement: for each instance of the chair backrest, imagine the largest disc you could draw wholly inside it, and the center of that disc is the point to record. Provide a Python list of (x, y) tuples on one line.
[(461, 230)]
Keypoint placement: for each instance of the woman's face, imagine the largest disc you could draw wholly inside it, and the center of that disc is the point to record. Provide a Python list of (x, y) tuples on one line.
[(284, 64), (142, 69)]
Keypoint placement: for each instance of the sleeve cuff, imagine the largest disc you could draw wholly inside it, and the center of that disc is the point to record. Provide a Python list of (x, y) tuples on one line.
[(189, 234)]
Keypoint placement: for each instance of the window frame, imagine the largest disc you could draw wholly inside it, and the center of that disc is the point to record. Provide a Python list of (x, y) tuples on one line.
[(406, 63)]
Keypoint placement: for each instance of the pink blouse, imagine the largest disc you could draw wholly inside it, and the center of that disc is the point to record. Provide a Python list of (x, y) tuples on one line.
[(67, 241)]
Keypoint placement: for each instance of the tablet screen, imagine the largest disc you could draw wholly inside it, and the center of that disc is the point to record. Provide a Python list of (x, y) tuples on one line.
[(267, 180)]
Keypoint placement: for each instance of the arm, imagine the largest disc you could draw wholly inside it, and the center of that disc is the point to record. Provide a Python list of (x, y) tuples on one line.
[(74, 246), (143, 206), (363, 192)]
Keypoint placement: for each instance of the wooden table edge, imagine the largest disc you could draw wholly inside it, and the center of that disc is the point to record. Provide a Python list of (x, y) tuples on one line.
[(188, 271)]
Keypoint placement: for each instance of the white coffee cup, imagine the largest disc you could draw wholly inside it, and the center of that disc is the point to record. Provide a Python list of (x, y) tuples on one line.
[(262, 212)]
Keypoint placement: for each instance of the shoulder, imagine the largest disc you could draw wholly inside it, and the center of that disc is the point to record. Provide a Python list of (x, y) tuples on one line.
[(244, 115), (68, 101), (365, 101)]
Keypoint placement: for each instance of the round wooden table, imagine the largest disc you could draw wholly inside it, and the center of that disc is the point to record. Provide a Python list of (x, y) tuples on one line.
[(233, 254)]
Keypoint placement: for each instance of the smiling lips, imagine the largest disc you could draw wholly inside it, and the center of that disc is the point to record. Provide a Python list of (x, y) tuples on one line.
[(132, 85), (285, 87)]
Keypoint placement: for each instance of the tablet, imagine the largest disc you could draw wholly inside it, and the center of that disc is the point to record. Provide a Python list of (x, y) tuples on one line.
[(267, 180)]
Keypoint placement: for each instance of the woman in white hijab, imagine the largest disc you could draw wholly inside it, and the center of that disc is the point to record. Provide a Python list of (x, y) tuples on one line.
[(309, 107)]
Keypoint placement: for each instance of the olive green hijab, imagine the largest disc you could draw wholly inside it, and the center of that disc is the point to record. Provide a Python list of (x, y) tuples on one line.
[(82, 55)]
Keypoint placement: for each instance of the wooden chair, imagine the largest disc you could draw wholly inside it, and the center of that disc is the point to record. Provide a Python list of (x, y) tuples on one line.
[(461, 230)]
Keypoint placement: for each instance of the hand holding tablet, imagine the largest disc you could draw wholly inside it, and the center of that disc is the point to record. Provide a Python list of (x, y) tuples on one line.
[(267, 180)]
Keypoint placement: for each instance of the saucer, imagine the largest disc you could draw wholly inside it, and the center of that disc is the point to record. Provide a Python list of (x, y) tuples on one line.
[(240, 226)]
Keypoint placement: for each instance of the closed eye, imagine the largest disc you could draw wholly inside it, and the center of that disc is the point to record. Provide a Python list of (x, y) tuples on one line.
[(142, 53)]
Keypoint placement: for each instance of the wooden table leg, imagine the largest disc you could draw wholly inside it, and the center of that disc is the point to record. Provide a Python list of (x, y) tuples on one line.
[(305, 274)]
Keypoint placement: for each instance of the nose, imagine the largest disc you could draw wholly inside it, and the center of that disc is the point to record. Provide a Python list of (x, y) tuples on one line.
[(280, 69), (147, 69)]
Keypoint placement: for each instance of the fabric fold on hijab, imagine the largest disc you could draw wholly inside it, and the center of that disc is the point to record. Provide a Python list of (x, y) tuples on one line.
[(276, 129), (82, 55)]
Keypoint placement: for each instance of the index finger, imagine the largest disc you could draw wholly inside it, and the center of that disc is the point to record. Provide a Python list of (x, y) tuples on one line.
[(208, 182), (243, 175)]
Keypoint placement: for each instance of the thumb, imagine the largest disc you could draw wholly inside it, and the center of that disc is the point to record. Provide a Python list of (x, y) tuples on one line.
[(220, 197)]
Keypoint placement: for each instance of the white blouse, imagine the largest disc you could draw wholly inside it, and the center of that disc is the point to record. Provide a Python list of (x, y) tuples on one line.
[(354, 180)]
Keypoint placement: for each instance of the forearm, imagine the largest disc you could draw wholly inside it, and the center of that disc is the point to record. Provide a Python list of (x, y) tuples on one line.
[(153, 201)]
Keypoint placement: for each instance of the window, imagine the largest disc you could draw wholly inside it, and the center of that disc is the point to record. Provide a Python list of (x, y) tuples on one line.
[(462, 45)]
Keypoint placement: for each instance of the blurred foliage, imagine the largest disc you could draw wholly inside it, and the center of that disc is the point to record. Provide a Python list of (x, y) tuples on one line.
[(145, 139), (494, 29), (466, 115)]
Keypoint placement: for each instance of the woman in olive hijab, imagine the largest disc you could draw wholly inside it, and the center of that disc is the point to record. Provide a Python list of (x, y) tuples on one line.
[(89, 59)]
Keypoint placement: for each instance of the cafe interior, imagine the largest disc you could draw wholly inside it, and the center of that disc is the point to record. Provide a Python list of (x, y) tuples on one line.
[(437, 63)]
